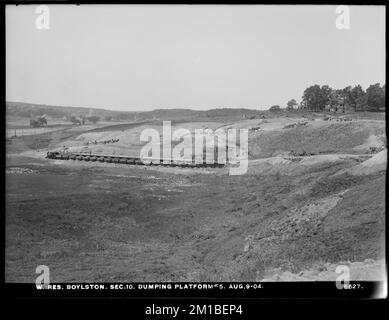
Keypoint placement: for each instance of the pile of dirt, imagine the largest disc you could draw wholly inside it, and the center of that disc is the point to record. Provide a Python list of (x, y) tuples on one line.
[(296, 124), (317, 137), (373, 143), (126, 138), (287, 165), (375, 164), (265, 124)]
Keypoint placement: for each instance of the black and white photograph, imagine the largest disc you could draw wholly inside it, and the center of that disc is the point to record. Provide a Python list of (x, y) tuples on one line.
[(183, 149)]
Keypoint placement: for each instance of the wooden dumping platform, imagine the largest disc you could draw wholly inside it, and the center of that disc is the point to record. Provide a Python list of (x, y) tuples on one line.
[(128, 160)]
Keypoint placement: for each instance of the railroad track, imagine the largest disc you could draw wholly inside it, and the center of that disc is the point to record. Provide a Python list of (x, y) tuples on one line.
[(88, 157)]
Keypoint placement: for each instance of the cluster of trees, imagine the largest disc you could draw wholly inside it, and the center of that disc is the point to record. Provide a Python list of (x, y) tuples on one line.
[(93, 119), (38, 122), (319, 98), (275, 108)]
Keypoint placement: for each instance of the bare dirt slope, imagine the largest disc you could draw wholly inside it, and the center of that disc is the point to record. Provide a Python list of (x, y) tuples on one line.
[(287, 218)]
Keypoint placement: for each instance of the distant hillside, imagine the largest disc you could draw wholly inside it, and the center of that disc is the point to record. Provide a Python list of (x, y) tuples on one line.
[(29, 110)]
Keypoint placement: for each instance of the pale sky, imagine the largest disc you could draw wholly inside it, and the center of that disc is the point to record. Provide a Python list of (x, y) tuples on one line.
[(137, 57)]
